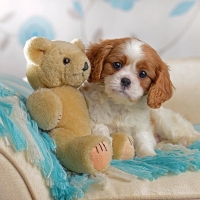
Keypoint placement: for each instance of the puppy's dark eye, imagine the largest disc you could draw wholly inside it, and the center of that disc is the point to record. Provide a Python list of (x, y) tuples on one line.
[(142, 74), (66, 61), (117, 65)]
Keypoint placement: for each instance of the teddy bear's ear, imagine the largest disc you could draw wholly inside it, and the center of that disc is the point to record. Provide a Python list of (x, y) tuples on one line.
[(34, 49), (79, 44)]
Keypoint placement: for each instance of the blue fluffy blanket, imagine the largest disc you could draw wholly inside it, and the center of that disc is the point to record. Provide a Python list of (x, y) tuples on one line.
[(24, 135)]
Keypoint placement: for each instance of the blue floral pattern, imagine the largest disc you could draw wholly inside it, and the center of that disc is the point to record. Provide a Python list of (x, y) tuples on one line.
[(35, 26), (182, 8), (122, 4), (168, 26), (78, 8)]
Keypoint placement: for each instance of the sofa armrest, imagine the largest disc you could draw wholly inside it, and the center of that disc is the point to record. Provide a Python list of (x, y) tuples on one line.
[(186, 98), (18, 178)]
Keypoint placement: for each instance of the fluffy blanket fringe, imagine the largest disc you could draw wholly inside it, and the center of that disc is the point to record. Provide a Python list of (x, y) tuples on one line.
[(23, 134), (171, 159)]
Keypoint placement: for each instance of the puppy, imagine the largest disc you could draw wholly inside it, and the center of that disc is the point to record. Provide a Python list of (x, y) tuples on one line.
[(127, 86)]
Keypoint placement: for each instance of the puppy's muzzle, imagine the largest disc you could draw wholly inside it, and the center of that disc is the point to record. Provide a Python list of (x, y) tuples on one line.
[(125, 82)]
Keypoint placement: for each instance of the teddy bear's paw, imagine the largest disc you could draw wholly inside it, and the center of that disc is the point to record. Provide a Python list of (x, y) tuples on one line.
[(123, 146), (128, 151), (101, 155)]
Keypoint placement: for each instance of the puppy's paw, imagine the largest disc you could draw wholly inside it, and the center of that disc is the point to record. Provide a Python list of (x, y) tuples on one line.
[(144, 152), (185, 141)]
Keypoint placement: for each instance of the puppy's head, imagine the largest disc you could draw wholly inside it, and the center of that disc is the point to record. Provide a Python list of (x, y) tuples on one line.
[(130, 69)]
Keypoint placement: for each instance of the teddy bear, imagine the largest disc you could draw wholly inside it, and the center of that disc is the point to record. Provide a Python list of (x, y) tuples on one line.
[(55, 70)]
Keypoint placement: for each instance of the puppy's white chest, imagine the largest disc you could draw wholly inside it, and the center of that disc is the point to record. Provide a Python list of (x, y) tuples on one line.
[(116, 117)]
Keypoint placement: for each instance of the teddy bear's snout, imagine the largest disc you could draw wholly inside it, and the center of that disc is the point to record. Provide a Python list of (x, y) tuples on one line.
[(86, 66)]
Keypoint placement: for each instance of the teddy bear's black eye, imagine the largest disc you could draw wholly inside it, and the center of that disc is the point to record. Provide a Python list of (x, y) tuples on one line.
[(66, 61), (117, 65)]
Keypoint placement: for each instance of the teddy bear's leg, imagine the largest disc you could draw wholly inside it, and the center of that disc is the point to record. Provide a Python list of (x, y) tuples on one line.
[(87, 154), (123, 147)]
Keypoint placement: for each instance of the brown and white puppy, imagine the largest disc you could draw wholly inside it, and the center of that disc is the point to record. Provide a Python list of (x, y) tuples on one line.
[(128, 82)]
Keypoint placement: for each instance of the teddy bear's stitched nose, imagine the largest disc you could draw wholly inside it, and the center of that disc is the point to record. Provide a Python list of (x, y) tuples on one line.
[(85, 66)]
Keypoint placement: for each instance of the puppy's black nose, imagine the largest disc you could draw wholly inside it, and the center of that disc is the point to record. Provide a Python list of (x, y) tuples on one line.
[(125, 82), (85, 66)]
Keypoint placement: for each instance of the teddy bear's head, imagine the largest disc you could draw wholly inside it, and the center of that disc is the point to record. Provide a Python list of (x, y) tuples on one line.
[(55, 63)]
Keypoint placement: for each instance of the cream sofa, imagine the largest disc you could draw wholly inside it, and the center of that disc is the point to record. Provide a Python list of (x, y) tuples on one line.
[(20, 180)]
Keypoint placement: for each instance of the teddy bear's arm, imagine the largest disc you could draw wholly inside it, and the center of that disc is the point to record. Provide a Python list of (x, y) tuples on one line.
[(45, 108)]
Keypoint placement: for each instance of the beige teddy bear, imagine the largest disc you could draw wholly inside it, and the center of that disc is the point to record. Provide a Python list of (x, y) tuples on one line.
[(55, 69)]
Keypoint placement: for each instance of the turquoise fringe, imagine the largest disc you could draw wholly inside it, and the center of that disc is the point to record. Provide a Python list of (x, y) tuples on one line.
[(17, 84), (175, 160), (16, 135)]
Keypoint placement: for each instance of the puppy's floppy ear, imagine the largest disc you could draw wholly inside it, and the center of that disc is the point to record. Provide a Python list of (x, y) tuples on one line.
[(161, 89), (97, 54)]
